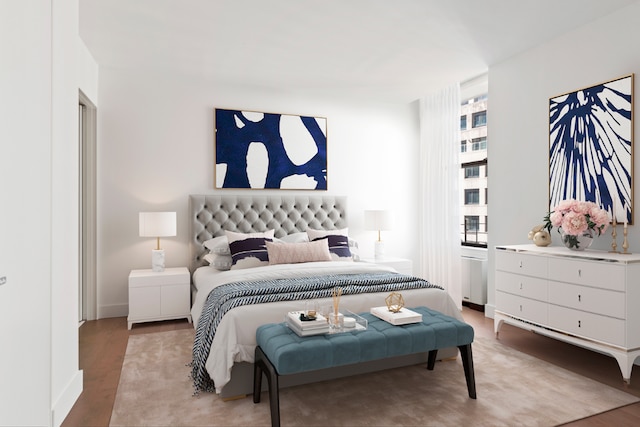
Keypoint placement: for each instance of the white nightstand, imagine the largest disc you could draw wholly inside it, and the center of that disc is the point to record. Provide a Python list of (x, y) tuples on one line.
[(159, 295), (402, 265)]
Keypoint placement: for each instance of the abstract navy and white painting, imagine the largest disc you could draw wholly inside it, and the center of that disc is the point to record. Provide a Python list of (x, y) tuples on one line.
[(270, 151), (591, 147)]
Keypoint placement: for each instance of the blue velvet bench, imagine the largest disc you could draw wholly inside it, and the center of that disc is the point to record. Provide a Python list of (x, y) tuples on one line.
[(280, 351)]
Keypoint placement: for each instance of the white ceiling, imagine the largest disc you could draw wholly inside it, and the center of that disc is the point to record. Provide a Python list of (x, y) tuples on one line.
[(390, 50)]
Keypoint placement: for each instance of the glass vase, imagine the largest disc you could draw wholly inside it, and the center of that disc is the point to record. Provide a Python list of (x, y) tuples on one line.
[(577, 243)]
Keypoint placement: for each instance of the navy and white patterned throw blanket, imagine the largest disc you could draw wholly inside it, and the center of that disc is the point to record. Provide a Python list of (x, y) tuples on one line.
[(226, 297)]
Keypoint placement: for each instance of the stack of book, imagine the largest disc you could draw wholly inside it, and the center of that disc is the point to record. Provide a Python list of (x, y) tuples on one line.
[(307, 327), (402, 317)]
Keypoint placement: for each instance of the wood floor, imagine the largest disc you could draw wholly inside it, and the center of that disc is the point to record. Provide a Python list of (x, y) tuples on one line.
[(103, 344)]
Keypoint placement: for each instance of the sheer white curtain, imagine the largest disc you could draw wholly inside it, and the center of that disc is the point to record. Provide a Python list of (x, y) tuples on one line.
[(439, 190)]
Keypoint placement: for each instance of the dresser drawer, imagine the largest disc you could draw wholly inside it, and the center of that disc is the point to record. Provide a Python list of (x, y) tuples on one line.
[(522, 308), (515, 262), (525, 286), (587, 325), (592, 273), (599, 301)]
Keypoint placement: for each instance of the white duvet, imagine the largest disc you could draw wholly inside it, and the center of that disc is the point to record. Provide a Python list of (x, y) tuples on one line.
[(235, 338)]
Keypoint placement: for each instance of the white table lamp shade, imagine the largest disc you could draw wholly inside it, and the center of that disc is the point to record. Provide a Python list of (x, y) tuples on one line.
[(377, 220), (157, 224)]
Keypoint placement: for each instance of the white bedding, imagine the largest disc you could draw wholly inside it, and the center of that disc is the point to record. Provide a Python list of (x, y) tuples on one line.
[(235, 338)]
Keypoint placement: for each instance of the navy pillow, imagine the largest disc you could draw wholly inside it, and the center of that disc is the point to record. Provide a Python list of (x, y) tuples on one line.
[(249, 250), (338, 242)]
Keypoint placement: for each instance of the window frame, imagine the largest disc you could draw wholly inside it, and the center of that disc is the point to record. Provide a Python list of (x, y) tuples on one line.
[(471, 191), (475, 116), (475, 168)]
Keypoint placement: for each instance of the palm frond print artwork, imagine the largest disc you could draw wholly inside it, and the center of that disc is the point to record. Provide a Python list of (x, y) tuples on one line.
[(591, 147)]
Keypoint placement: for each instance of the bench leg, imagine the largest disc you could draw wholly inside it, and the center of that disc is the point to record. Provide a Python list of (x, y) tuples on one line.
[(257, 378), (467, 362), (263, 364), (431, 360)]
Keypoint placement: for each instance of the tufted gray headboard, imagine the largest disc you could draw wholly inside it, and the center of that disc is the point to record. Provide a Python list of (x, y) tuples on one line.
[(212, 214)]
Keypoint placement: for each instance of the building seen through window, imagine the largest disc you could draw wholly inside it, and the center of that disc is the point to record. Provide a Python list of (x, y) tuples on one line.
[(473, 170)]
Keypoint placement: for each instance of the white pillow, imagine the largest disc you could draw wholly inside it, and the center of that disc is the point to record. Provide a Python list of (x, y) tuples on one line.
[(293, 253), (295, 237), (355, 250), (218, 245), (338, 242), (219, 262), (314, 234), (248, 249)]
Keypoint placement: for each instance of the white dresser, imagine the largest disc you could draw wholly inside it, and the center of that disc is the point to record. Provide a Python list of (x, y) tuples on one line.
[(589, 298)]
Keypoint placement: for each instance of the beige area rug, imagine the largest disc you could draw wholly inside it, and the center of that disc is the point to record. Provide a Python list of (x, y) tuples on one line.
[(513, 389)]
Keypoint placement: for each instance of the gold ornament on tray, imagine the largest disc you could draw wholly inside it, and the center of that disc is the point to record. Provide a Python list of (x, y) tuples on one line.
[(395, 302)]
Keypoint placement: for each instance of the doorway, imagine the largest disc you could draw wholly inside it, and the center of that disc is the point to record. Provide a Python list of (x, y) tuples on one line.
[(87, 287)]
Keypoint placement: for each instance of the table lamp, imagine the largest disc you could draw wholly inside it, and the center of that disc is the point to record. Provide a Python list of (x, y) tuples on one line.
[(157, 224), (377, 220)]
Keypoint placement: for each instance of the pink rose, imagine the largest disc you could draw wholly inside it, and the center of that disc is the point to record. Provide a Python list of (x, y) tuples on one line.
[(575, 217), (601, 218), (565, 206), (574, 223), (582, 208), (556, 218)]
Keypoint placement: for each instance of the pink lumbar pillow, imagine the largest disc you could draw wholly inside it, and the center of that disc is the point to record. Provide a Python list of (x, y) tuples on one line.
[(293, 253)]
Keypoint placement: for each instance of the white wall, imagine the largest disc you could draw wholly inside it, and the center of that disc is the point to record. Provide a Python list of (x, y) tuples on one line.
[(66, 379), (25, 156), (155, 147), (87, 74), (518, 146), (39, 215)]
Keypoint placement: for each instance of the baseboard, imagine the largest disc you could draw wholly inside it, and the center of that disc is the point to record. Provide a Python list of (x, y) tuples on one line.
[(67, 399), (473, 306), (115, 310)]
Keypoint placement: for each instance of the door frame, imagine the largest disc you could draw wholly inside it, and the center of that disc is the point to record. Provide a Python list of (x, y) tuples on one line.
[(88, 212)]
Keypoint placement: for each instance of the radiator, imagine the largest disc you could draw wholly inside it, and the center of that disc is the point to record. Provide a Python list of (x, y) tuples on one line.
[(474, 280)]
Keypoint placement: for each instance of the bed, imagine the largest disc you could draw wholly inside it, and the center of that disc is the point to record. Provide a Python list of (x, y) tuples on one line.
[(224, 357)]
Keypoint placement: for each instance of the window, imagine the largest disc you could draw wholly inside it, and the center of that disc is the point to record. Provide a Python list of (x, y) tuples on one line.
[(472, 172), (472, 223), (472, 196), (473, 184), (479, 119), (479, 144)]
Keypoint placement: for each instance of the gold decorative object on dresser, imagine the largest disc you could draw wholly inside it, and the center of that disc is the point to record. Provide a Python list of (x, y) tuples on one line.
[(589, 298)]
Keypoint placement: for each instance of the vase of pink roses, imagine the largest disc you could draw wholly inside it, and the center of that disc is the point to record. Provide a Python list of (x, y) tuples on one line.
[(577, 222)]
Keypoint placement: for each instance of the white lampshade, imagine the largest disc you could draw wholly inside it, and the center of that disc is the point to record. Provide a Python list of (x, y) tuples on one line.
[(377, 220), (157, 224)]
